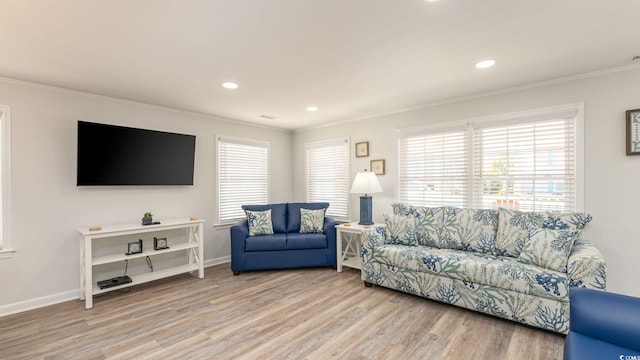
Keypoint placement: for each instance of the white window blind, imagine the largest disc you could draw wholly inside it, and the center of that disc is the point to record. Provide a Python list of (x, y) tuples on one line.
[(328, 175), (242, 176), (433, 168), (527, 161), (530, 162)]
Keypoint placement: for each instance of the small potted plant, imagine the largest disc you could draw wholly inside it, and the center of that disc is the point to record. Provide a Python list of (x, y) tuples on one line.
[(147, 219)]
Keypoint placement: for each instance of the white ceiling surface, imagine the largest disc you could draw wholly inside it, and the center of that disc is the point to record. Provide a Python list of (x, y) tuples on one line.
[(352, 58)]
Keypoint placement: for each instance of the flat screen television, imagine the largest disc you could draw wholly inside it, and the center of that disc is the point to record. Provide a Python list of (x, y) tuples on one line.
[(111, 155)]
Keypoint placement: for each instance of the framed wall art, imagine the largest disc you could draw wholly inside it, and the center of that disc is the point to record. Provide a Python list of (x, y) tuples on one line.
[(633, 132), (377, 167), (362, 149)]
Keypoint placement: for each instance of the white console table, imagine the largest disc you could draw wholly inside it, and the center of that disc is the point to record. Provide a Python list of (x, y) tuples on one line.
[(193, 246)]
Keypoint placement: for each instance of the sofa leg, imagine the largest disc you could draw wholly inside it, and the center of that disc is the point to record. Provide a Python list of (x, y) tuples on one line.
[(367, 284), (236, 273)]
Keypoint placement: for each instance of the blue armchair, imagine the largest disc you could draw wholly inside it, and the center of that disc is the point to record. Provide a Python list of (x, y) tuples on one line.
[(602, 326), (286, 247)]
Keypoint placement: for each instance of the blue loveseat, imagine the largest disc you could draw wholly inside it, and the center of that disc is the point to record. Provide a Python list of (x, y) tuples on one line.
[(286, 247), (603, 326)]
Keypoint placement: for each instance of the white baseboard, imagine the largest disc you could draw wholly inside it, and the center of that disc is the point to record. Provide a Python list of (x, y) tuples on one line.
[(39, 302), (217, 261), (74, 294)]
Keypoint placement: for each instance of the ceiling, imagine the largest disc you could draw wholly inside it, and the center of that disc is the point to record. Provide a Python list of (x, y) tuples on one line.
[(353, 59)]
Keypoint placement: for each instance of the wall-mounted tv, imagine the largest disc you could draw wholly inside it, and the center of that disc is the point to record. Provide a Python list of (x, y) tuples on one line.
[(111, 155)]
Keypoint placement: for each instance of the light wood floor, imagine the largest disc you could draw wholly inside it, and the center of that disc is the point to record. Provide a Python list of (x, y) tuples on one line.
[(288, 314)]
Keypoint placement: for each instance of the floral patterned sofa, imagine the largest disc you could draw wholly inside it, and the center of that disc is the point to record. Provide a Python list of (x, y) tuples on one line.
[(511, 264)]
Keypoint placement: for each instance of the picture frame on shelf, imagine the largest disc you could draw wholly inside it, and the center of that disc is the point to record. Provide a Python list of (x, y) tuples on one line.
[(377, 166), (160, 243), (633, 131), (362, 149), (134, 247)]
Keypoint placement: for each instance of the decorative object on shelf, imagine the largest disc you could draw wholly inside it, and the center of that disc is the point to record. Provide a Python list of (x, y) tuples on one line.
[(366, 183), (160, 243), (193, 218), (633, 132), (362, 149), (147, 219), (95, 228), (134, 247), (377, 167)]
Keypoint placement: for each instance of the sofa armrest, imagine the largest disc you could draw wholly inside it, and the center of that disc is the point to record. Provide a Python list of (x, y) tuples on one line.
[(238, 234), (586, 267), (370, 239), (608, 317), (330, 232)]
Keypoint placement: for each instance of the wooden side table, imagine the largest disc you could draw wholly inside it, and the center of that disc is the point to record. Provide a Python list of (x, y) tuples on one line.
[(349, 254)]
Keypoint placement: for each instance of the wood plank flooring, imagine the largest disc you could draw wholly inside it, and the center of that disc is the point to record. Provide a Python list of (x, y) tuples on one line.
[(285, 314)]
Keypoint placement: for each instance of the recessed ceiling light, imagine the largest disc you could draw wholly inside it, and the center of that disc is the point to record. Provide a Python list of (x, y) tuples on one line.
[(229, 85), (312, 108), (485, 64)]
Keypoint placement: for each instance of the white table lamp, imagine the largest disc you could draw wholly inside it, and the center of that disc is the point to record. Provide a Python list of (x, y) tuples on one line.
[(366, 183)]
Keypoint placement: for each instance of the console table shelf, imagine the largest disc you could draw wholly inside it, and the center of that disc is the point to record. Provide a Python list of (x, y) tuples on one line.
[(140, 279), (87, 238), (119, 257)]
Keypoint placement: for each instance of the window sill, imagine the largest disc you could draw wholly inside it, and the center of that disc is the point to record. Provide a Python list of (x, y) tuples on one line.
[(5, 254), (223, 226)]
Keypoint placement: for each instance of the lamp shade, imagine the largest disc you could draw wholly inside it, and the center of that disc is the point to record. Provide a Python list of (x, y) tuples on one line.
[(366, 183)]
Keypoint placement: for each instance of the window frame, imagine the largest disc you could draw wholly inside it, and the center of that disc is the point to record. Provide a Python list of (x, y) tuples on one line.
[(7, 247), (333, 211), (575, 110), (240, 141)]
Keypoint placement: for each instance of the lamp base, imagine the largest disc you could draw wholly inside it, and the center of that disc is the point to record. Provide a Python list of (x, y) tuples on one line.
[(365, 210)]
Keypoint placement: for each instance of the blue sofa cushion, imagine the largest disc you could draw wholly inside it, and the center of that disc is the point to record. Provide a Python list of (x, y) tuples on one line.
[(266, 242), (293, 211), (306, 241), (278, 215)]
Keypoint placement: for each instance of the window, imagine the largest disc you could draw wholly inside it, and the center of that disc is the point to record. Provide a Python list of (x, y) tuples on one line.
[(529, 160), (242, 176), (328, 175), (6, 246)]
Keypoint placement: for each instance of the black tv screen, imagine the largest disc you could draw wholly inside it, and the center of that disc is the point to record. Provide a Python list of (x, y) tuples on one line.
[(117, 155)]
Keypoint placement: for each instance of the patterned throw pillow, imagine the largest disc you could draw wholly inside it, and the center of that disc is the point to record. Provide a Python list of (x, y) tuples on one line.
[(469, 230), (514, 229), (311, 221), (428, 222), (259, 222), (549, 249), (567, 221), (401, 230)]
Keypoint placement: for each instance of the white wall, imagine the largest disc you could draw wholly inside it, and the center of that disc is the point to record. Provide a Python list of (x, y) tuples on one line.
[(48, 207), (611, 177)]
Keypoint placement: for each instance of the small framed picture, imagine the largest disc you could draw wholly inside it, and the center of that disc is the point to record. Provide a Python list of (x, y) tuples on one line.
[(377, 167), (159, 243), (362, 149), (633, 132), (134, 247)]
